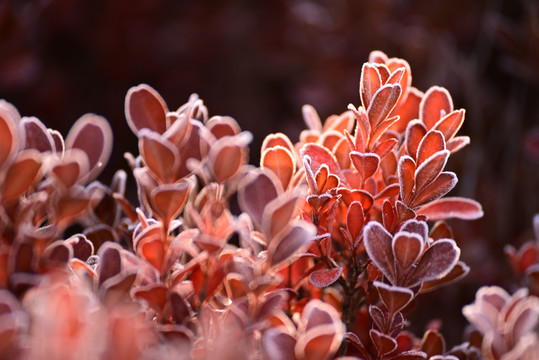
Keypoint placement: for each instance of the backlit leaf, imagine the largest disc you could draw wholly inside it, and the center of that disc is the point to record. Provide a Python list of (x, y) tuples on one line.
[(432, 142), (383, 102), (452, 207), (436, 262), (378, 246), (36, 135), (23, 173), (395, 298), (450, 124), (281, 161), (145, 109), (429, 170), (93, 135), (436, 103), (299, 236), (436, 189), (9, 136), (365, 163), (256, 191), (320, 155), (369, 83), (406, 171), (159, 154), (407, 248)]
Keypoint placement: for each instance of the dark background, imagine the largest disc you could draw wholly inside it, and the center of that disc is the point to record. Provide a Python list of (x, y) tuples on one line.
[(260, 61)]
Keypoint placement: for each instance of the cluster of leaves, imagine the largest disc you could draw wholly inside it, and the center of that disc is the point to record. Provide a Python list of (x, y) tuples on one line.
[(317, 253)]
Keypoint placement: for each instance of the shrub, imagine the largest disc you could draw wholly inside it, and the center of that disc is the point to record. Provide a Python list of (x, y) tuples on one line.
[(318, 253)]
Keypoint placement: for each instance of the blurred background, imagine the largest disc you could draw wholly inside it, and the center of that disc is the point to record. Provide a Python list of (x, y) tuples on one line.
[(260, 61)]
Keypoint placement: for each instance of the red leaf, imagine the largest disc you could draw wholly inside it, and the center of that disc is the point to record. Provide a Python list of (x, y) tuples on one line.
[(110, 262), (277, 214), (9, 137), (281, 161), (385, 147), (383, 101), (71, 167), (436, 189), (429, 170), (378, 246), (255, 192), (273, 140), (450, 124), (155, 295), (355, 219), (365, 163), (320, 155), (179, 130), (349, 196), (36, 135), (452, 207), (341, 151), (436, 262), (93, 135), (433, 343), (23, 173), (369, 83), (394, 65), (457, 143), (145, 109), (278, 345), (152, 250), (459, 271), (221, 126), (407, 248), (406, 171), (160, 155), (381, 129), (432, 142), (384, 343), (407, 110), (325, 277), (415, 131), (395, 298), (168, 200), (227, 155), (436, 103)]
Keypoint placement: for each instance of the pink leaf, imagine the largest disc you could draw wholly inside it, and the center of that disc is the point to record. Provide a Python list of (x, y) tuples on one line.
[(429, 170), (298, 237), (320, 155), (365, 163), (369, 83)]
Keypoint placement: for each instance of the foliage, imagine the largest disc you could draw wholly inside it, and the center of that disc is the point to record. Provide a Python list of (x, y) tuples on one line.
[(318, 253)]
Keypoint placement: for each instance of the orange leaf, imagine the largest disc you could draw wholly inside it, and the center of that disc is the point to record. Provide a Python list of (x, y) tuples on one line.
[(23, 173), (407, 110), (311, 118), (355, 219), (281, 161), (152, 250)]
